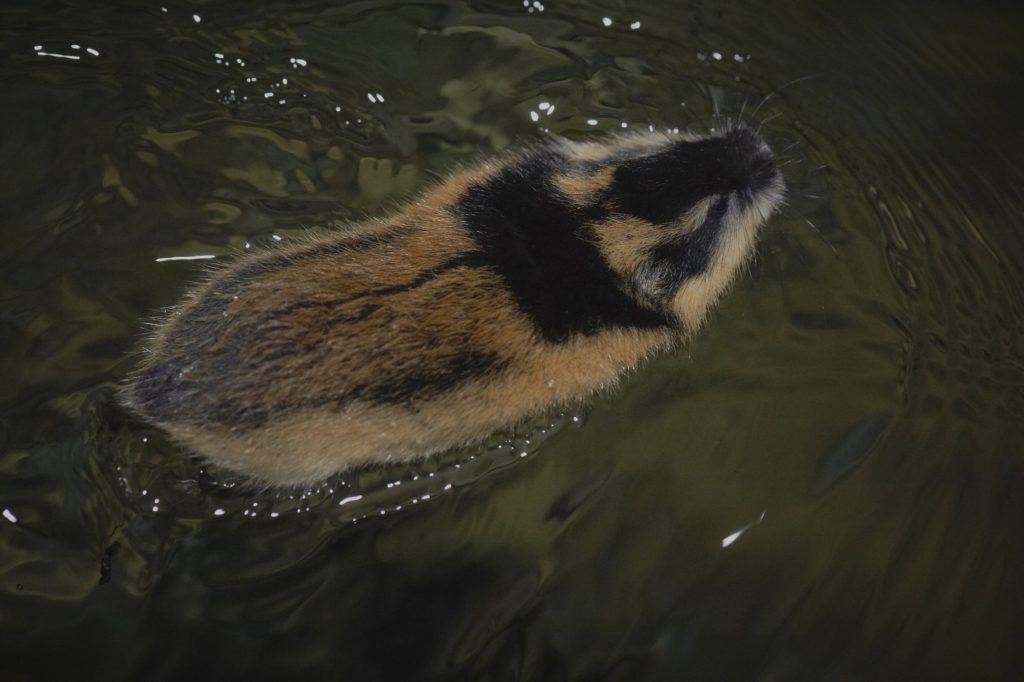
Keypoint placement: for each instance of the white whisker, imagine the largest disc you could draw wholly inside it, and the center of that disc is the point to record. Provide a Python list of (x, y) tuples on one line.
[(773, 116), (779, 90), (822, 237)]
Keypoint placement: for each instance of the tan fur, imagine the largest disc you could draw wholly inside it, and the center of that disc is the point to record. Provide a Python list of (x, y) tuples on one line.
[(291, 340), (593, 151), (579, 187), (692, 302)]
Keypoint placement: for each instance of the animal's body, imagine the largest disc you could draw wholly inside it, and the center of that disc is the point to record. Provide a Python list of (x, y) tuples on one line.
[(508, 288)]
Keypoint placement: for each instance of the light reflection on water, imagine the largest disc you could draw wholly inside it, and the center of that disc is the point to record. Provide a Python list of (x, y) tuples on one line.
[(826, 482)]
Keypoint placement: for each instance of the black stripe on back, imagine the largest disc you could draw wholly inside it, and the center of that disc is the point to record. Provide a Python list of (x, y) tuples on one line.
[(542, 247), (431, 380)]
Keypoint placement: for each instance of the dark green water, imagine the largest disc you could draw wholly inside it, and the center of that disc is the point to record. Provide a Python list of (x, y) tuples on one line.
[(854, 410)]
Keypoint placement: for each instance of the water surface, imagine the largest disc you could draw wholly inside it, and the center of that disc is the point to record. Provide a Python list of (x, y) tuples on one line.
[(827, 483)]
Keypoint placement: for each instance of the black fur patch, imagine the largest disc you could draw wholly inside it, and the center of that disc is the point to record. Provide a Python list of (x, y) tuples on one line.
[(167, 392), (660, 187), (430, 380), (542, 247), (687, 256)]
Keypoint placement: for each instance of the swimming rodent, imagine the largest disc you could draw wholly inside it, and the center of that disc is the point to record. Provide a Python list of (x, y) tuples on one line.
[(519, 284)]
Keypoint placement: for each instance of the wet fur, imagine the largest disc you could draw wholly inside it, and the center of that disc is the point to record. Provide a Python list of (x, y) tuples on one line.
[(508, 288)]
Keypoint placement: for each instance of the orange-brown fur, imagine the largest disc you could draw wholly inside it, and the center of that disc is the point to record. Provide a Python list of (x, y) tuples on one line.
[(392, 299)]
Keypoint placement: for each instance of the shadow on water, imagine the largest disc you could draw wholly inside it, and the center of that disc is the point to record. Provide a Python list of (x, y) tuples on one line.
[(827, 483)]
